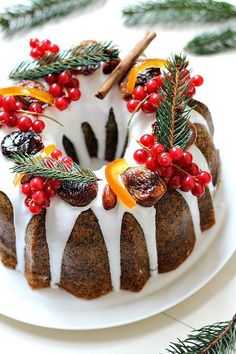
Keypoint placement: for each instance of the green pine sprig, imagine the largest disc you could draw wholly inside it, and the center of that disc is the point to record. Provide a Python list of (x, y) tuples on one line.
[(178, 11), (37, 12), (219, 338), (51, 168), (66, 59), (213, 42), (173, 128)]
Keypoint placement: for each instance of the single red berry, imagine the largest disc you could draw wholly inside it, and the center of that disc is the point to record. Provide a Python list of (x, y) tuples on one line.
[(55, 89), (1, 100), (187, 183), (12, 121), (147, 107), (62, 103), (46, 203), (9, 103), (155, 99), (175, 182), (186, 159), (139, 93), (147, 140), (73, 83), (151, 163), (152, 86), (140, 155), (56, 154), (74, 94), (164, 159), (36, 107), (68, 161), (167, 172), (36, 184), (64, 77), (157, 149), (198, 190), (191, 91), (36, 53), (132, 105), (4, 117), (33, 42), (38, 126), (197, 80), (49, 191), (55, 183), (176, 153), (159, 80), (19, 105), (27, 201), (45, 45), (193, 169), (185, 74), (35, 208), (53, 48), (204, 178), (38, 197), (51, 78), (25, 188), (24, 123)]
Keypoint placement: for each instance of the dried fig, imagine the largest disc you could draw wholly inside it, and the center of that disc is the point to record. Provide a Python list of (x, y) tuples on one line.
[(145, 186), (78, 194), (109, 198)]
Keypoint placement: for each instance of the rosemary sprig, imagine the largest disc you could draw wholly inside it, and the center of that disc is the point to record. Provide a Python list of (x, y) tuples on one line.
[(66, 59), (51, 168), (219, 338), (37, 12), (173, 113), (212, 42), (178, 11)]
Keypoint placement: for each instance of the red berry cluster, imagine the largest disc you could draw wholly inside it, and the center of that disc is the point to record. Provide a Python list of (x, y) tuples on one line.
[(147, 98), (10, 114), (40, 49), (39, 190), (175, 166), (64, 87)]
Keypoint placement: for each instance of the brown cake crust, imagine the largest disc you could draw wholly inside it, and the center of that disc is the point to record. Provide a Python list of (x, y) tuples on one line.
[(85, 266), (206, 210), (7, 233), (135, 269), (175, 234), (37, 267)]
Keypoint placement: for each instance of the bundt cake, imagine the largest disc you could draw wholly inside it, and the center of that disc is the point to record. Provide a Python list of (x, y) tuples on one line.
[(143, 198)]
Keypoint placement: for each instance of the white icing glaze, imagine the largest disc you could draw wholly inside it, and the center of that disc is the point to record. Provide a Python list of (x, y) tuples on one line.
[(61, 216)]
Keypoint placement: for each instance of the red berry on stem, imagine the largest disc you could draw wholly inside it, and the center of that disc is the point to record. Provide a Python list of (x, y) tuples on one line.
[(157, 149), (27, 201), (139, 93), (46, 202), (19, 105), (12, 121), (152, 86), (187, 183), (204, 178), (147, 140), (132, 105), (35, 208), (36, 53), (185, 74), (33, 42), (186, 159), (198, 190), (56, 154), (74, 94), (155, 99), (164, 159), (140, 155), (50, 191), (175, 182), (36, 107), (62, 103), (147, 107), (24, 123), (50, 78), (197, 80), (191, 91), (151, 163), (38, 126), (38, 197), (68, 161), (4, 117), (193, 169), (73, 83), (64, 77), (9, 103), (176, 153), (36, 184), (55, 89), (159, 80), (167, 172), (45, 45), (25, 188), (53, 48), (55, 183)]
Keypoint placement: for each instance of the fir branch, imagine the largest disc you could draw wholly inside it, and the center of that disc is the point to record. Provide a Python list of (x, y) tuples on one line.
[(212, 42), (178, 11), (66, 59), (37, 12), (219, 338), (51, 168), (173, 114)]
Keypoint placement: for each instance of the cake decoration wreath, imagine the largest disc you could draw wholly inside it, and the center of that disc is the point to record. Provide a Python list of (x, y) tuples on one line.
[(163, 160)]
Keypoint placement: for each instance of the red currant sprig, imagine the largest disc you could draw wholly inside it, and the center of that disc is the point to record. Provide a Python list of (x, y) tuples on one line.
[(175, 165), (40, 49)]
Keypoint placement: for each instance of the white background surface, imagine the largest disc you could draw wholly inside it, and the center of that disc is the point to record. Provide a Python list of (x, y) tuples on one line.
[(217, 300)]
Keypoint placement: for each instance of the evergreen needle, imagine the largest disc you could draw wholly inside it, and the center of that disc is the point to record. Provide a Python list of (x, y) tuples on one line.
[(37, 12), (212, 42), (178, 11)]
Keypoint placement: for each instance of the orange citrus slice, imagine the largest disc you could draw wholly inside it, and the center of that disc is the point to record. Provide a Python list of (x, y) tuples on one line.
[(43, 96)]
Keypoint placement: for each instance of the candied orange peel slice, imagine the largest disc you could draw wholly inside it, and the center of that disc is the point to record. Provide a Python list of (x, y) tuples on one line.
[(43, 96), (45, 152), (139, 67), (112, 172)]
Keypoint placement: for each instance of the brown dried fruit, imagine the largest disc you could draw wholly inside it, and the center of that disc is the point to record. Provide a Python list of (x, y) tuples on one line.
[(109, 66), (32, 84), (78, 194), (145, 186), (109, 198)]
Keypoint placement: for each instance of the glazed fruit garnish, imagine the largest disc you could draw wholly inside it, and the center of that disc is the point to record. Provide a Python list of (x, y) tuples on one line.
[(109, 198), (27, 91), (112, 173)]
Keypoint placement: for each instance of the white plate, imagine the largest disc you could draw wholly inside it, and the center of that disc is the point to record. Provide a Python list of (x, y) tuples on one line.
[(58, 309)]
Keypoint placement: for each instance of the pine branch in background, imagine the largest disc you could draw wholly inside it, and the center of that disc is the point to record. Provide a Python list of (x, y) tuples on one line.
[(212, 42), (37, 12), (67, 59), (178, 11), (219, 338), (173, 114), (51, 168)]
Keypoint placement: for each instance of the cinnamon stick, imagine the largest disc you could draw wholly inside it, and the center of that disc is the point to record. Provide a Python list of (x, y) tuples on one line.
[(124, 65)]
